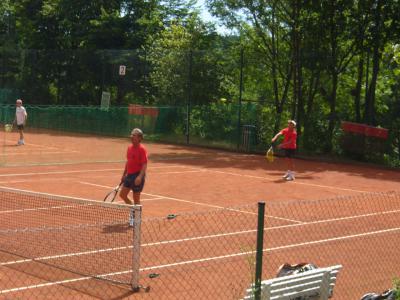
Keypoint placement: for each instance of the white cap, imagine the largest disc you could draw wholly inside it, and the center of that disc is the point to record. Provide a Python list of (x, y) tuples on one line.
[(137, 131), (293, 122)]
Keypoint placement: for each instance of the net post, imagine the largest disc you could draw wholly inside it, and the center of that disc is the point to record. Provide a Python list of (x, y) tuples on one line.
[(136, 212), (259, 252)]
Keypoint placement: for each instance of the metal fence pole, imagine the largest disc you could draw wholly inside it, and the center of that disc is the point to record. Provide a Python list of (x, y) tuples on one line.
[(136, 213), (240, 99), (259, 253), (189, 97)]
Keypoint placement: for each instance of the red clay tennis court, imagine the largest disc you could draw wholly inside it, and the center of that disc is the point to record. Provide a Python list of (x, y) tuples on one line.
[(203, 250)]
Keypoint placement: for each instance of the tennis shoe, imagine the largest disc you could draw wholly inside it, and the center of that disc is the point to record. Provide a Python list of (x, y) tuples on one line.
[(290, 177), (286, 175), (19, 143), (131, 219)]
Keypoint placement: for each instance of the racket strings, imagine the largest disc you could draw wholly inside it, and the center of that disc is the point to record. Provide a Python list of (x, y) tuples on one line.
[(111, 196), (270, 155)]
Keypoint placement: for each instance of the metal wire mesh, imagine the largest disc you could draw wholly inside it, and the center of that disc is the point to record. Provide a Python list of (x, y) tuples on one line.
[(358, 232), (207, 255), (199, 256), (48, 240)]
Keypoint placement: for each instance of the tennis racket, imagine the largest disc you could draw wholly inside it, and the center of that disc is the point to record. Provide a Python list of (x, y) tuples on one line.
[(270, 154), (110, 197), (8, 127)]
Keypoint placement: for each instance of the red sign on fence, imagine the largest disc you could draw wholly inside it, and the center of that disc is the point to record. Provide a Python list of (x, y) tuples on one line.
[(377, 132), (366, 130), (135, 109)]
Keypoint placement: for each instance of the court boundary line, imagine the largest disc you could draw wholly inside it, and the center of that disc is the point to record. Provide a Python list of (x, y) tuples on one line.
[(351, 217), (203, 260), (58, 197), (291, 182), (34, 153), (58, 172), (193, 170), (37, 145), (175, 199)]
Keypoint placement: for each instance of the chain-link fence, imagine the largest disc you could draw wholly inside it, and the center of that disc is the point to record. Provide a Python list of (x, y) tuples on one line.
[(212, 255), (210, 96), (215, 125), (51, 246)]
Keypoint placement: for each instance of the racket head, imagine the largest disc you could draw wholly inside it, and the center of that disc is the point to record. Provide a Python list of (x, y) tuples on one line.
[(270, 154), (110, 197), (8, 127)]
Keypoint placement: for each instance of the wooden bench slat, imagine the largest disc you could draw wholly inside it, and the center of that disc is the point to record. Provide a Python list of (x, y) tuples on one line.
[(319, 282)]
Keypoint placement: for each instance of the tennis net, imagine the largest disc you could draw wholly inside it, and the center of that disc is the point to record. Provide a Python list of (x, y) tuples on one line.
[(62, 238)]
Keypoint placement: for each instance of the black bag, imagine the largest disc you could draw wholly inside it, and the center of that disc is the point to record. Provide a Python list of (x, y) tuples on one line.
[(288, 269), (386, 295)]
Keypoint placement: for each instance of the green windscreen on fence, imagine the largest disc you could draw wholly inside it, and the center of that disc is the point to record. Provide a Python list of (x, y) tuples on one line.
[(215, 125), (78, 134)]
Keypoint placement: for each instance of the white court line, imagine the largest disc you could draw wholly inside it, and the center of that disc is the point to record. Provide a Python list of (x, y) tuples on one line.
[(194, 170), (35, 145), (70, 172), (315, 242), (273, 249), (292, 182), (176, 199), (152, 199), (195, 203), (35, 209), (181, 172), (199, 237), (57, 172), (34, 153)]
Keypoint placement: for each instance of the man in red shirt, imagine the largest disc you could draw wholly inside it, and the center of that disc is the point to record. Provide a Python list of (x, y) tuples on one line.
[(289, 146), (134, 174)]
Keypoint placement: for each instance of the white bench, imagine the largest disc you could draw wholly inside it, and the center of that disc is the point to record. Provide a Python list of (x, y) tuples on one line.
[(314, 284)]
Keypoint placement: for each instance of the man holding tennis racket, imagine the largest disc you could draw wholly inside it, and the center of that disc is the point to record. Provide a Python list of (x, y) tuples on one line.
[(134, 174), (20, 120), (289, 145)]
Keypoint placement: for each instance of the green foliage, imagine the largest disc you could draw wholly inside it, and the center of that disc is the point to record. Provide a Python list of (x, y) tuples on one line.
[(311, 61), (215, 121), (396, 287)]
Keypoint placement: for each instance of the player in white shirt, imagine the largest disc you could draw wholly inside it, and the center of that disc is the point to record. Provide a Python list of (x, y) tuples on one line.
[(20, 120)]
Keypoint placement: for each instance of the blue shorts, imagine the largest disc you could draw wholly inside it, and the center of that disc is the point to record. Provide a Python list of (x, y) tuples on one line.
[(129, 182), (289, 153)]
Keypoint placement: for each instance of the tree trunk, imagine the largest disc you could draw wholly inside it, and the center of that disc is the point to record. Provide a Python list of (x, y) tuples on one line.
[(332, 115), (298, 111), (357, 92), (376, 58), (372, 87)]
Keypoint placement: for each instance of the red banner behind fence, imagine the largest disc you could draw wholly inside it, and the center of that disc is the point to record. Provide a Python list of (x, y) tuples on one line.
[(366, 130), (135, 109)]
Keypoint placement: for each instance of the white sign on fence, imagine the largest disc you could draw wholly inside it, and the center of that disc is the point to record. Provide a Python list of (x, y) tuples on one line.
[(122, 70), (105, 100)]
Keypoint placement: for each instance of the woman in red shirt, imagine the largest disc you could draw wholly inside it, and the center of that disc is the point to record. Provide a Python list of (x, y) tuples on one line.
[(289, 145), (134, 174)]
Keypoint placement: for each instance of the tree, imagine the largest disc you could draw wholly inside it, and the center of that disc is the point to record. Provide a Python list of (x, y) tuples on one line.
[(174, 53)]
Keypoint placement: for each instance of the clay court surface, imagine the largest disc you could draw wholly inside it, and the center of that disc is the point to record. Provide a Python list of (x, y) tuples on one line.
[(179, 179)]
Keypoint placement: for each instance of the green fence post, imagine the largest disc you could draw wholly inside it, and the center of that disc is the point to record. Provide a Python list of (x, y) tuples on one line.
[(189, 99), (259, 253), (239, 124)]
